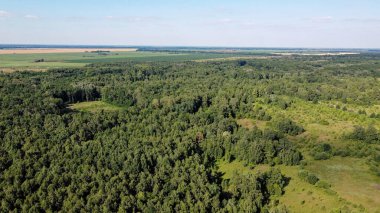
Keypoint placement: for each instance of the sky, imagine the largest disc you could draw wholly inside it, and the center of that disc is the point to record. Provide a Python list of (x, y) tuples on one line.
[(237, 23)]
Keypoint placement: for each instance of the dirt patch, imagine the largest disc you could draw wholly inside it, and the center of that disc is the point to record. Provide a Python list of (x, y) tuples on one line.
[(246, 123), (62, 50), (377, 186)]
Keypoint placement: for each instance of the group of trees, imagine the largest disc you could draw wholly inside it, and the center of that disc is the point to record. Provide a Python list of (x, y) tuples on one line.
[(160, 151), (368, 135)]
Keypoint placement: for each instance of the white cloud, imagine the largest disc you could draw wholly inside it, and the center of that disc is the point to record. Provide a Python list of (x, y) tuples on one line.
[(31, 17), (4, 14)]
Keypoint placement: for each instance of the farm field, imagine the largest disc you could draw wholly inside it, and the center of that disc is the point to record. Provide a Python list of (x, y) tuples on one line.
[(67, 59), (62, 50)]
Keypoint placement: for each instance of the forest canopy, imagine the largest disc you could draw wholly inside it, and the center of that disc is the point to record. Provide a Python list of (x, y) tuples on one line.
[(170, 123)]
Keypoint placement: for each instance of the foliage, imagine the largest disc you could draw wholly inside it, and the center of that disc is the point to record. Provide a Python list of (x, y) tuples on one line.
[(321, 151), (170, 122), (288, 126), (368, 135), (308, 177)]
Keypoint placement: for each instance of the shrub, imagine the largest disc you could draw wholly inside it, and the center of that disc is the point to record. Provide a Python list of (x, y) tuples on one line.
[(308, 177), (321, 151), (324, 122), (288, 126), (369, 135), (312, 179), (303, 174), (323, 184)]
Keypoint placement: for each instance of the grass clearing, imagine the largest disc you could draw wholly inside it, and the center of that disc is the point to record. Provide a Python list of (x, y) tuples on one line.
[(351, 179), (251, 123), (95, 106)]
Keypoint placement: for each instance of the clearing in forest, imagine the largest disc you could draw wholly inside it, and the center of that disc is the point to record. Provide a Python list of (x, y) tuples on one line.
[(95, 106)]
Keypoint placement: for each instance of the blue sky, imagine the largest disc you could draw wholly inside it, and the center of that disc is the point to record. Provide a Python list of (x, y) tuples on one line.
[(246, 23)]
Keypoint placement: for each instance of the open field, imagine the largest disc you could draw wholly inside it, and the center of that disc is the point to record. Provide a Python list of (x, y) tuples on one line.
[(32, 62), (62, 50), (62, 60), (251, 123), (359, 186)]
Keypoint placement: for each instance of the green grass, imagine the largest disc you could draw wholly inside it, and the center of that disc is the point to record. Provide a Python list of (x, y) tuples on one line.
[(94, 106), (351, 179)]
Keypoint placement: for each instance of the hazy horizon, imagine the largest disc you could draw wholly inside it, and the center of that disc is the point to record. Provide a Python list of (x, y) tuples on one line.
[(326, 24)]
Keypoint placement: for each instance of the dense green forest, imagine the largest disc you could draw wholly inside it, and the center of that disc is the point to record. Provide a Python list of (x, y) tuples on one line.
[(158, 145)]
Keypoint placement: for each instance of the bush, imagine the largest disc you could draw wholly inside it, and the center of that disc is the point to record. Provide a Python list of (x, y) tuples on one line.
[(308, 177), (321, 156), (323, 184), (288, 126), (303, 174), (324, 122), (369, 135), (321, 151), (312, 179)]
